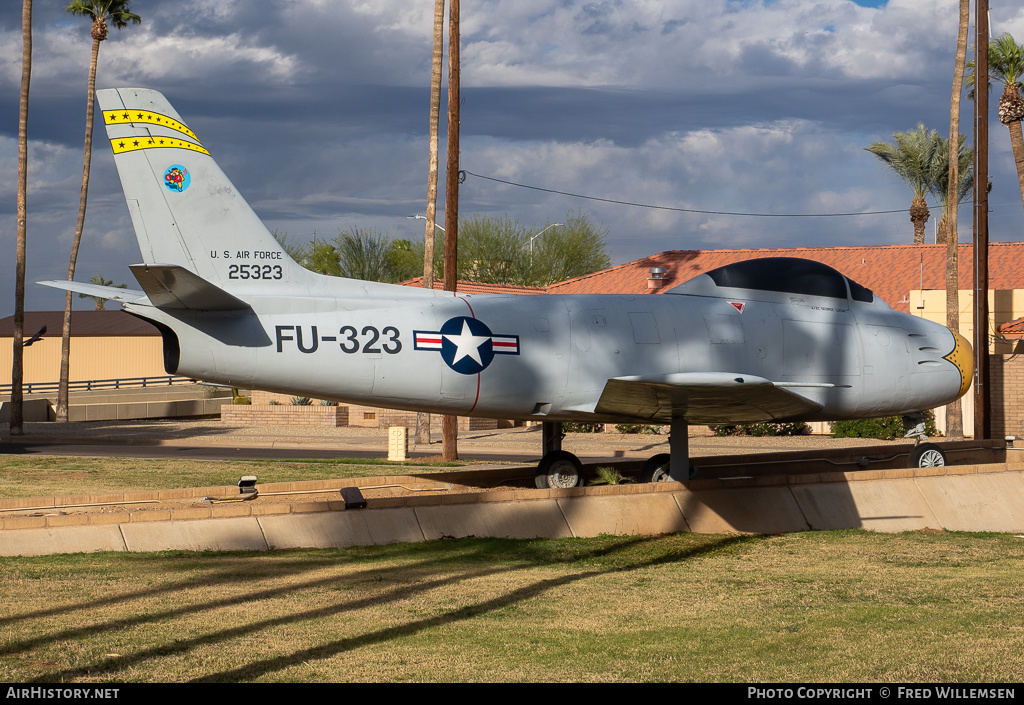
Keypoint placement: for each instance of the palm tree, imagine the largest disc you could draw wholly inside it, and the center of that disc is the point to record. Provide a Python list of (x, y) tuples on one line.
[(98, 280), (435, 111), (101, 12), (914, 158), (1006, 64), (954, 410), (423, 419), (18, 353), (963, 171)]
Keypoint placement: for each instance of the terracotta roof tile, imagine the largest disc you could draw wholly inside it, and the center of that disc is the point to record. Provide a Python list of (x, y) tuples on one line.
[(1012, 330), (479, 287), (891, 271)]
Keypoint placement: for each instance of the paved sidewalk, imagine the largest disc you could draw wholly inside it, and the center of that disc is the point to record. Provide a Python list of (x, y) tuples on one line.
[(515, 445)]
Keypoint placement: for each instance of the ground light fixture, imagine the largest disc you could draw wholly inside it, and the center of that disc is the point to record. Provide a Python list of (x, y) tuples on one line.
[(247, 485)]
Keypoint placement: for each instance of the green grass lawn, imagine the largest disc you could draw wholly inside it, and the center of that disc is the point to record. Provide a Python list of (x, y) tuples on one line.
[(49, 476), (844, 606)]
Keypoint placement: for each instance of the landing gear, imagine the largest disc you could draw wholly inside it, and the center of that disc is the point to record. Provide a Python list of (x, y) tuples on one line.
[(927, 455), (924, 455), (559, 470), (656, 468)]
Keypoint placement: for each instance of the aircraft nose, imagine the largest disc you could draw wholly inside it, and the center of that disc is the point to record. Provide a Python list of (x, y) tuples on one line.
[(962, 357)]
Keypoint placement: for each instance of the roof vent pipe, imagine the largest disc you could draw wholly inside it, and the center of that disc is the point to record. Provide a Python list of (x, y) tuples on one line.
[(656, 280)]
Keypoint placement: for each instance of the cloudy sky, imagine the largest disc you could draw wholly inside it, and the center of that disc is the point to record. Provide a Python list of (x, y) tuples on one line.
[(318, 109)]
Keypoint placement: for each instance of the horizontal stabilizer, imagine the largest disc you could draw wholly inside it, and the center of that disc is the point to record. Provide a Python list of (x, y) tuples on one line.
[(701, 397), (111, 293), (172, 287)]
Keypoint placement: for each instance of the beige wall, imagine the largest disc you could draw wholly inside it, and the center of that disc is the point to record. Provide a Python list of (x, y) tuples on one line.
[(92, 358), (1003, 305), (1005, 372)]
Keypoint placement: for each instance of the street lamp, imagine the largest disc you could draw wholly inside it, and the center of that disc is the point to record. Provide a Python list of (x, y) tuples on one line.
[(538, 235), (423, 217)]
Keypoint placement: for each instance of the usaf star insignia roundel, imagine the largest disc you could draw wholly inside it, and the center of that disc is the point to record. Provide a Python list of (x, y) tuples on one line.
[(466, 344)]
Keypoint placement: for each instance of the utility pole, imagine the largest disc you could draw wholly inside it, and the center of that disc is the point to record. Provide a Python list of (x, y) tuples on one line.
[(449, 424), (982, 420)]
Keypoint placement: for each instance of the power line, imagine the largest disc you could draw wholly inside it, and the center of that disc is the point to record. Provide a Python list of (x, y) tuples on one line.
[(681, 210)]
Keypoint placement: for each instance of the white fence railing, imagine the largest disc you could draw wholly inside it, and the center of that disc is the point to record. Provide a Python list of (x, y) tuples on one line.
[(97, 384)]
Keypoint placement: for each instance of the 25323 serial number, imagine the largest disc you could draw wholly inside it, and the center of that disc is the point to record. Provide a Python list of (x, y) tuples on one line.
[(255, 271)]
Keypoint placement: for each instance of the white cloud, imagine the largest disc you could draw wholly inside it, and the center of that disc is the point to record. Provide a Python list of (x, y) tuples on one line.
[(149, 57)]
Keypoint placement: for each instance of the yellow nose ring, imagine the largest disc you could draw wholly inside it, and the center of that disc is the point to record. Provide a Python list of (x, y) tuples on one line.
[(962, 358)]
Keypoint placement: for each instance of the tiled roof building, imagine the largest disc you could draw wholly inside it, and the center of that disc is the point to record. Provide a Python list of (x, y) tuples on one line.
[(891, 271), (1012, 330), (83, 324), (104, 345)]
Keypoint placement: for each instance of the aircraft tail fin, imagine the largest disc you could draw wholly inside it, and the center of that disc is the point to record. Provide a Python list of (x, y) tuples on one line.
[(185, 211)]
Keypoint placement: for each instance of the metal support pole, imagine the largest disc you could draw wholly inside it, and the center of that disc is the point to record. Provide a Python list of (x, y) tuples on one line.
[(679, 450), (551, 437)]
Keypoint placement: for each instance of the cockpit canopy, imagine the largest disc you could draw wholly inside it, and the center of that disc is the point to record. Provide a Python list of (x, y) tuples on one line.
[(789, 275)]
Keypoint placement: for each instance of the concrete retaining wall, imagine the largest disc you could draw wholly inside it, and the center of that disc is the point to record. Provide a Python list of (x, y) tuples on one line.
[(962, 498), (155, 402)]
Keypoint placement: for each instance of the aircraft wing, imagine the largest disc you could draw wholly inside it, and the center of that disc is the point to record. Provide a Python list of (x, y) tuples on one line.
[(112, 293), (702, 397)]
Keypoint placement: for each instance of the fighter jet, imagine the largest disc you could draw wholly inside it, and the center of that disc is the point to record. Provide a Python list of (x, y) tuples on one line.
[(760, 340)]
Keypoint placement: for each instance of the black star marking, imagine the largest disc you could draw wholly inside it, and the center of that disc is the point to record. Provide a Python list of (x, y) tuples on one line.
[(112, 117), (139, 115), (125, 116), (121, 145), (135, 143)]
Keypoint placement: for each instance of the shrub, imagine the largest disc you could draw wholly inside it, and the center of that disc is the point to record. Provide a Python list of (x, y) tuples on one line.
[(581, 427), (242, 400), (885, 428), (796, 428), (301, 401), (637, 428), (609, 476)]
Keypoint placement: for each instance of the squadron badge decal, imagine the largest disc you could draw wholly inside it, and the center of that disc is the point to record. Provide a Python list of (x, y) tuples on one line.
[(466, 344), (177, 178)]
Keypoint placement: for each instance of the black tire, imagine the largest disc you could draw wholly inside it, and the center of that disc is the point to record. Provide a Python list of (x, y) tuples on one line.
[(656, 468), (927, 455), (559, 470)]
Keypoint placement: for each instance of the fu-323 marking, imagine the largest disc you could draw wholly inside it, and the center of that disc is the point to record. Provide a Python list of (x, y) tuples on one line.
[(369, 340)]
